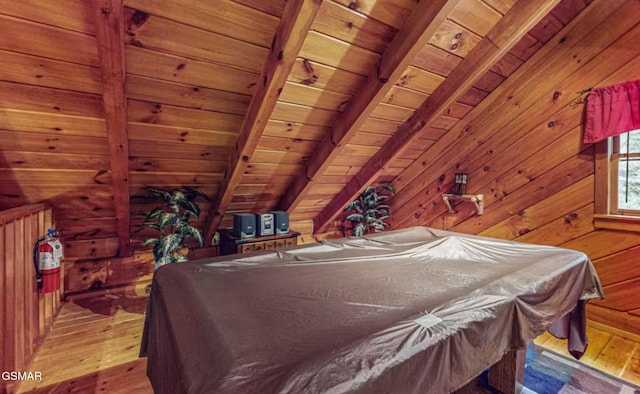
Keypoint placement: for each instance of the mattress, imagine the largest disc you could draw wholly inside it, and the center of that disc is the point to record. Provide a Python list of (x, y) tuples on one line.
[(413, 311)]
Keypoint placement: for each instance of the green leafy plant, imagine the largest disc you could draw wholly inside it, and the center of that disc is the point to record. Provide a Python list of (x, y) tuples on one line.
[(172, 221), (369, 212)]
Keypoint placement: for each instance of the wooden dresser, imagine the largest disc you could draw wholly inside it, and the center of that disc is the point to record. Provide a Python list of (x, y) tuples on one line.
[(230, 244)]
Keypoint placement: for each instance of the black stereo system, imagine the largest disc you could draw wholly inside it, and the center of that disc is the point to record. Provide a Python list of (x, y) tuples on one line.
[(249, 225)]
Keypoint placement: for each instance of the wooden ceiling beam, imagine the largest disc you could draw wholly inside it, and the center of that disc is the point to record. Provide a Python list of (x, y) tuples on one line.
[(425, 20), (296, 20), (523, 16), (109, 22)]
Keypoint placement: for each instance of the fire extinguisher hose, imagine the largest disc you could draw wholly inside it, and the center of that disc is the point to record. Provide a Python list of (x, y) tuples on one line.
[(35, 262)]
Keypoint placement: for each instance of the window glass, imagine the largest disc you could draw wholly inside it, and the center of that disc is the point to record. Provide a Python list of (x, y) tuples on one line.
[(628, 172)]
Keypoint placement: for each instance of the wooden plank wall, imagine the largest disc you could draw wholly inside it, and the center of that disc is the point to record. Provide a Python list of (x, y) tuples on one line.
[(522, 148), (26, 314), (187, 98), (52, 118), (340, 76)]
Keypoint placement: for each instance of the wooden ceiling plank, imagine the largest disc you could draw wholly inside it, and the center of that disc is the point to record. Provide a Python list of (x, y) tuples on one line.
[(165, 35), (166, 67), (296, 20), (231, 18), (327, 78), (62, 44), (19, 67), (420, 28), (50, 123), (508, 31), (109, 22)]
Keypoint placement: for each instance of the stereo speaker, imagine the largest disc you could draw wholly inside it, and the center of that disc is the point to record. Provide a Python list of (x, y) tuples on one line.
[(281, 219), (244, 225)]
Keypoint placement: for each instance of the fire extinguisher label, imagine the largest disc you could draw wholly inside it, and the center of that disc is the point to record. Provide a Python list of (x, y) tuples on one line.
[(57, 249), (47, 261)]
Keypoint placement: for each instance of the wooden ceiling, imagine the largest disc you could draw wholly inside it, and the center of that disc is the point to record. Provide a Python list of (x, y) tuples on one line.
[(294, 105)]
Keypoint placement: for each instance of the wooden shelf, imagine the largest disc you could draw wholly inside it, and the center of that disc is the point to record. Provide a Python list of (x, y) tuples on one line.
[(452, 199), (230, 244)]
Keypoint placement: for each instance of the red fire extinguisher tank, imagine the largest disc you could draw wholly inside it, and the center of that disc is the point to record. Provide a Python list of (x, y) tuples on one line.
[(49, 256)]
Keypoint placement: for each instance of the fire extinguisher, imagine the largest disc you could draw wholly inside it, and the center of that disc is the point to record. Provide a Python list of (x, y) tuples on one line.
[(47, 256)]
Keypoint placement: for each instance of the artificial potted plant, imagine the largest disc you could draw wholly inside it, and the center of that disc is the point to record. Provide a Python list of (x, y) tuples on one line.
[(172, 221), (369, 213)]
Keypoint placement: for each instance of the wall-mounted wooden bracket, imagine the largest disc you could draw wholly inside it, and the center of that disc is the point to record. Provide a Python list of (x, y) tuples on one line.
[(452, 199)]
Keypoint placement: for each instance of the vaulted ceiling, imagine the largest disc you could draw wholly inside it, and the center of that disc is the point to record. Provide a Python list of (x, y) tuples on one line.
[(295, 105)]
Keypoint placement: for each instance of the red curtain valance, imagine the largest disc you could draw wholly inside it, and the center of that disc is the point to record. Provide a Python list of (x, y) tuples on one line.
[(612, 110)]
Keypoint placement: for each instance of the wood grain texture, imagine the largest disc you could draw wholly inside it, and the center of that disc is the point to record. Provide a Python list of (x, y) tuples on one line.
[(287, 43), (610, 350), (109, 16), (537, 215), (40, 122), (69, 359), (308, 72), (232, 19), (92, 249), (462, 78), (502, 184), (618, 267), (144, 62), (170, 115), (295, 130), (355, 28), (455, 39), (339, 54), (476, 16), (297, 113), (621, 296), (313, 97), (602, 243), (407, 42), (35, 70), (393, 13), (609, 317), (166, 36), (192, 69), (489, 148), (98, 274), (27, 314), (563, 229), (184, 95), (61, 44), (42, 99)]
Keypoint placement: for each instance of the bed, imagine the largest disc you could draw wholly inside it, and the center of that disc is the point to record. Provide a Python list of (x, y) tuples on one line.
[(412, 311)]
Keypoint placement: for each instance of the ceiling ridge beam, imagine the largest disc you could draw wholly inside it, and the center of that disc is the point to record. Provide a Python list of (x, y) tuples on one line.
[(424, 21), (296, 21), (109, 18), (517, 22)]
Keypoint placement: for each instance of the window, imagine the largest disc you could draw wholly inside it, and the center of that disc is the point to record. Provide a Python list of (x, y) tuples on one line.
[(625, 174), (612, 122), (617, 182)]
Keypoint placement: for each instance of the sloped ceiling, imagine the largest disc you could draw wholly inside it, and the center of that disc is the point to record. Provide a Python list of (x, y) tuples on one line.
[(294, 105)]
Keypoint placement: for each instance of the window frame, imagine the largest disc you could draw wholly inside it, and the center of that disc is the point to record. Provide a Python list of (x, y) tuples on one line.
[(607, 214)]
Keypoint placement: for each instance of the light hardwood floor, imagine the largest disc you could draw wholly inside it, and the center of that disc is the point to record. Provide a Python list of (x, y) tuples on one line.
[(612, 351), (93, 348)]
